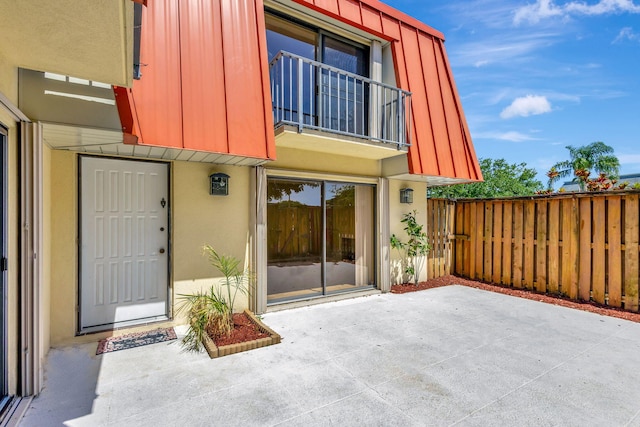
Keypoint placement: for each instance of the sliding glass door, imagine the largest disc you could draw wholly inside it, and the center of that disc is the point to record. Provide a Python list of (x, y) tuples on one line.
[(3, 269), (320, 238)]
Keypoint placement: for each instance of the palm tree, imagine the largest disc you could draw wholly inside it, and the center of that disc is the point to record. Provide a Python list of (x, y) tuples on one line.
[(596, 156)]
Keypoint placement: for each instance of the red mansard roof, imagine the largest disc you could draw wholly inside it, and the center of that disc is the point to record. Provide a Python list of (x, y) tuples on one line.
[(205, 83)]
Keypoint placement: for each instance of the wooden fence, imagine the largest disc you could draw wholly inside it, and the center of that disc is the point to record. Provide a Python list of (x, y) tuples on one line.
[(584, 246), (440, 226)]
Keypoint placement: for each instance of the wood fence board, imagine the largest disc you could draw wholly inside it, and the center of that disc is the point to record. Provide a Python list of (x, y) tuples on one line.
[(598, 254), (518, 234), (553, 247), (507, 245), (488, 241), (614, 258), (458, 253), (432, 208), (529, 243), (583, 246), (631, 252), (584, 277), (479, 236), (497, 242), (440, 230), (473, 207), (574, 242), (541, 246), (451, 224)]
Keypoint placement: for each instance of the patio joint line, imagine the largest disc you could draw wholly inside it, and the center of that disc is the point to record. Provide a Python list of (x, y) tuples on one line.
[(319, 407), (632, 418), (597, 344)]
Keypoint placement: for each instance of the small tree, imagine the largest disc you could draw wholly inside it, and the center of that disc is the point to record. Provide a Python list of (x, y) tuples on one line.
[(596, 156), (210, 312), (501, 179), (415, 249)]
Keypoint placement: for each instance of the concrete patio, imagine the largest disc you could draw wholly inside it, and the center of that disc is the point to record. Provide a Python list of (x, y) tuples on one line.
[(445, 356)]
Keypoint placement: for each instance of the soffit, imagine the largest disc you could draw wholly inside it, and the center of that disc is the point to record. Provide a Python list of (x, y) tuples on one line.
[(110, 142), (91, 40)]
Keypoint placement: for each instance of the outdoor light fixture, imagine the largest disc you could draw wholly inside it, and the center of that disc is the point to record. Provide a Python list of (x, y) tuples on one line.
[(219, 184), (406, 195)]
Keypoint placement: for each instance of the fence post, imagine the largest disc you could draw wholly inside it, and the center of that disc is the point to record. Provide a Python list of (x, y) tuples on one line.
[(631, 253)]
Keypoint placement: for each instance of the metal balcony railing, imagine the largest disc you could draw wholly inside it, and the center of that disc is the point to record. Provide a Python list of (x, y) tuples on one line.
[(309, 94)]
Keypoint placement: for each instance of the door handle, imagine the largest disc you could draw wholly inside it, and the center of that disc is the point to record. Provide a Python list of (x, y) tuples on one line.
[(161, 250)]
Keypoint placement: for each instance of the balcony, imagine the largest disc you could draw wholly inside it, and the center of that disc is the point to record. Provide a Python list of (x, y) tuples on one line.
[(322, 108)]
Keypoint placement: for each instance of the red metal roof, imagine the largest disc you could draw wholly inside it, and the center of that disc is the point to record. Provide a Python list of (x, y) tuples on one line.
[(205, 79), (205, 83), (441, 144)]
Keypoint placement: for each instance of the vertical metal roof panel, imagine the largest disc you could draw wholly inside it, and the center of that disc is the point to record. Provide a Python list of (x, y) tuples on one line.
[(350, 9), (371, 18), (441, 160), (441, 140), (205, 83), (328, 5), (203, 77), (206, 67), (158, 93), (421, 119), (245, 81)]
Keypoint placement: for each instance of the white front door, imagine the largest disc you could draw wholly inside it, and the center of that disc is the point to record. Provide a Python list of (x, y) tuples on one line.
[(123, 242)]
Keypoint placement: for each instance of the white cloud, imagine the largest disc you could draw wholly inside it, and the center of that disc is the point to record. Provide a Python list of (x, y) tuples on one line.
[(511, 136), (627, 33), (527, 106), (543, 9), (535, 12), (500, 49), (629, 159)]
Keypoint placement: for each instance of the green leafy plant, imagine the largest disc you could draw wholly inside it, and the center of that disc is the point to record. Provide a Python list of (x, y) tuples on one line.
[(211, 312), (500, 179), (596, 156), (414, 249)]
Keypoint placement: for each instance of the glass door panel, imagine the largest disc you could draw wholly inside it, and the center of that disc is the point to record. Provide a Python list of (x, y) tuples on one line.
[(3, 273), (350, 237), (289, 37), (294, 239), (344, 99), (320, 238)]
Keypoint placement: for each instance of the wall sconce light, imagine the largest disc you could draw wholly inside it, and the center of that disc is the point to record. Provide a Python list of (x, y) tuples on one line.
[(219, 184), (406, 195)]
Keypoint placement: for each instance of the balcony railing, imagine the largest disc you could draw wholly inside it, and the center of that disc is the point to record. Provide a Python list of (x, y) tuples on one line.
[(309, 94)]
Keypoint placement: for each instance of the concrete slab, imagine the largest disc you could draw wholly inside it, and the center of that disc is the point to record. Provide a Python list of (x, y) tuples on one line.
[(445, 356)]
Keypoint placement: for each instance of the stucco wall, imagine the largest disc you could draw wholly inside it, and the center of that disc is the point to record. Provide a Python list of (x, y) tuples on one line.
[(199, 219), (289, 158), (196, 218), (396, 212), (63, 234)]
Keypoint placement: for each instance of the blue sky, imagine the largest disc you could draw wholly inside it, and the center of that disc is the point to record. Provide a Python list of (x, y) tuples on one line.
[(536, 76)]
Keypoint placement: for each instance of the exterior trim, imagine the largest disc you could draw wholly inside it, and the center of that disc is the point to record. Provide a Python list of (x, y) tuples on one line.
[(258, 300), (31, 214), (384, 248), (12, 109)]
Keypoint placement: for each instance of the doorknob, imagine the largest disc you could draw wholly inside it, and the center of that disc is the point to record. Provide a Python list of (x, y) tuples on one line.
[(161, 250)]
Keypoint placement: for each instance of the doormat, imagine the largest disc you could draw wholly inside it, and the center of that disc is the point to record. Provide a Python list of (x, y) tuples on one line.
[(138, 339)]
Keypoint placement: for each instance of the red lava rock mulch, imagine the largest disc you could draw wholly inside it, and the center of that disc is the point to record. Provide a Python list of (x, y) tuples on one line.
[(244, 330), (522, 293)]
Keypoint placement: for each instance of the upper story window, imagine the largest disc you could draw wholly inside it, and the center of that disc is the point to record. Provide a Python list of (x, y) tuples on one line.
[(311, 43), (320, 80)]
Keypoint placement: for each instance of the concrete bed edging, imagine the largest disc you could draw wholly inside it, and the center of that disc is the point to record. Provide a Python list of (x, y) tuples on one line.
[(274, 338)]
